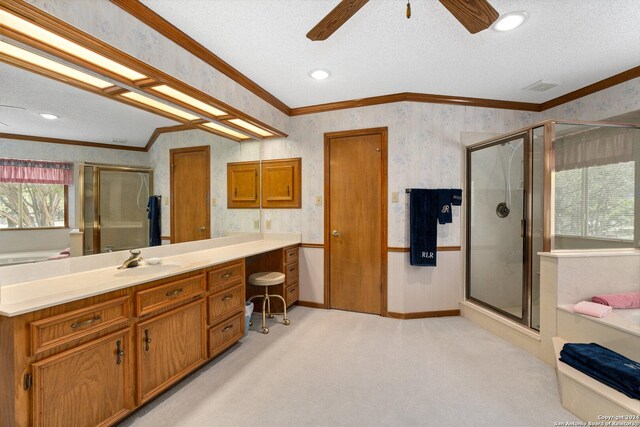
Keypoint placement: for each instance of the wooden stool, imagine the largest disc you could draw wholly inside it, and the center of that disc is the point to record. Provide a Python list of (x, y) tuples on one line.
[(266, 279)]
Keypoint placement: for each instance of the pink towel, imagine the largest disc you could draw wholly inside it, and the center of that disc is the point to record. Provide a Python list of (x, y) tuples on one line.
[(592, 309), (624, 300)]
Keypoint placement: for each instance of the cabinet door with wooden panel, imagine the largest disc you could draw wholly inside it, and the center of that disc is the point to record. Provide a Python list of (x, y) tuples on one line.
[(169, 346), (243, 184), (281, 183), (86, 386)]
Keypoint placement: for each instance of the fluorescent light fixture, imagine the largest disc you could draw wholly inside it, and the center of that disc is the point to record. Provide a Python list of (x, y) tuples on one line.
[(226, 130), (33, 31), (510, 21), (250, 127), (49, 116), (176, 94), (158, 105), (319, 74), (42, 62)]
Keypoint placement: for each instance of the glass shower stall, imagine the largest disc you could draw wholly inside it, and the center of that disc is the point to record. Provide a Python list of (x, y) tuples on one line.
[(114, 207), (553, 186)]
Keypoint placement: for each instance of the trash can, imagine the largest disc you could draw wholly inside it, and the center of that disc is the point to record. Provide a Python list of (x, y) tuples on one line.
[(248, 310)]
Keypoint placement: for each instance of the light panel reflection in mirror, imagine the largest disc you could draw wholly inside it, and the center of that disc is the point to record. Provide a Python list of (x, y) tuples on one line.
[(87, 119)]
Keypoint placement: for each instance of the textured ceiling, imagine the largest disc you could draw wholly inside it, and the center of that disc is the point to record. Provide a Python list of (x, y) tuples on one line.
[(84, 116), (379, 51)]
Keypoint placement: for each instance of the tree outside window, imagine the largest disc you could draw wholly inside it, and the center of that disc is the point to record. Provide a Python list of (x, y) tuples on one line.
[(33, 193)]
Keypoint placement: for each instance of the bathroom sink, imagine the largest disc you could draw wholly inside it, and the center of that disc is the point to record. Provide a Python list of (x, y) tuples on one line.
[(147, 270)]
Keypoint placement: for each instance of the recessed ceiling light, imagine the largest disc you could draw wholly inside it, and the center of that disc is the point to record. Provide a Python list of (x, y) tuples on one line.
[(319, 74), (509, 21), (49, 116)]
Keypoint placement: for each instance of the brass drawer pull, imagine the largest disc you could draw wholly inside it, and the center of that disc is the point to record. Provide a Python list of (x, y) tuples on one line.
[(292, 269), (226, 328), (292, 290), (226, 275), (76, 325), (226, 298), (174, 293)]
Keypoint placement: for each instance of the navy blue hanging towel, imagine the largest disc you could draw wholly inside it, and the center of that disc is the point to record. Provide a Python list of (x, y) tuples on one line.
[(456, 197), (153, 213), (444, 206), (606, 366), (423, 226)]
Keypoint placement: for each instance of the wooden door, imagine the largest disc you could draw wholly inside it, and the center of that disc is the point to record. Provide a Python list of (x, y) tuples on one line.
[(190, 214), (169, 346), (356, 220), (86, 386)]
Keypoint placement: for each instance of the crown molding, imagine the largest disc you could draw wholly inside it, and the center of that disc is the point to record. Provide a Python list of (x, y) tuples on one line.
[(592, 88), (147, 16), (34, 138), (415, 97)]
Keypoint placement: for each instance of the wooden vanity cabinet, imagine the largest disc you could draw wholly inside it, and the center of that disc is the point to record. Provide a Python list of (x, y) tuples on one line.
[(243, 185), (282, 183), (70, 364), (283, 260), (170, 334), (226, 306), (292, 273), (86, 386), (91, 362), (169, 346)]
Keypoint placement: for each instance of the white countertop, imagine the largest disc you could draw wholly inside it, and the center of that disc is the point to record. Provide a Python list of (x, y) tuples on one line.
[(25, 297)]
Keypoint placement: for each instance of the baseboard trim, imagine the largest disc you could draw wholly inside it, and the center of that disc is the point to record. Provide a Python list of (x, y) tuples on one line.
[(423, 314), (310, 304)]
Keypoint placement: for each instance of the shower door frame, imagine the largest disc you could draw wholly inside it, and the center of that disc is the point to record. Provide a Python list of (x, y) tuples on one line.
[(97, 168), (525, 227)]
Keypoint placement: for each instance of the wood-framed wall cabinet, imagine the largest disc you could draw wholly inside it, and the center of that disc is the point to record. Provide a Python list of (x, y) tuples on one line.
[(281, 183), (243, 185), (268, 184)]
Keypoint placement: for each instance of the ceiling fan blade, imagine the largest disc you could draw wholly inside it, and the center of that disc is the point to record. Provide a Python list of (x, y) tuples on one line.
[(475, 15), (334, 19)]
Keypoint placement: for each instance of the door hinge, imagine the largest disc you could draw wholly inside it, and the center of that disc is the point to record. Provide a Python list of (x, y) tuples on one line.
[(28, 381)]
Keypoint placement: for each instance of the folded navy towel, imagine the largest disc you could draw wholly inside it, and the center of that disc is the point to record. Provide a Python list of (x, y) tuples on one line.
[(444, 206), (456, 196), (423, 226), (607, 366)]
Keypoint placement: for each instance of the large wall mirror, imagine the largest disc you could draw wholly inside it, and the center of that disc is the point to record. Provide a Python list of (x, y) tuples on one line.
[(93, 121)]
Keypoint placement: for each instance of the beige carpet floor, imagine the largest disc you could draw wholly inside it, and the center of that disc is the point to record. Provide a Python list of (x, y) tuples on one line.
[(335, 368)]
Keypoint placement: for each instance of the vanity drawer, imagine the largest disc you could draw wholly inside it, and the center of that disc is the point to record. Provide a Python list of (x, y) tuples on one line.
[(172, 293), (67, 327), (226, 274), (225, 303), (225, 333), (290, 255), (292, 273), (292, 294)]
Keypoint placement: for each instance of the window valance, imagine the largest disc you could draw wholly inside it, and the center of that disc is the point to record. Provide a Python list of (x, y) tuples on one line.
[(596, 147), (36, 171)]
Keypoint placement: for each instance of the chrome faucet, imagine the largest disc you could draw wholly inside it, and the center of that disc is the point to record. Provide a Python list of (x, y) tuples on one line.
[(133, 260)]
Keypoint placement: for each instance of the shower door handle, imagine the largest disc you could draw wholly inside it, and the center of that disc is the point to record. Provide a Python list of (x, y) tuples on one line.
[(523, 227)]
